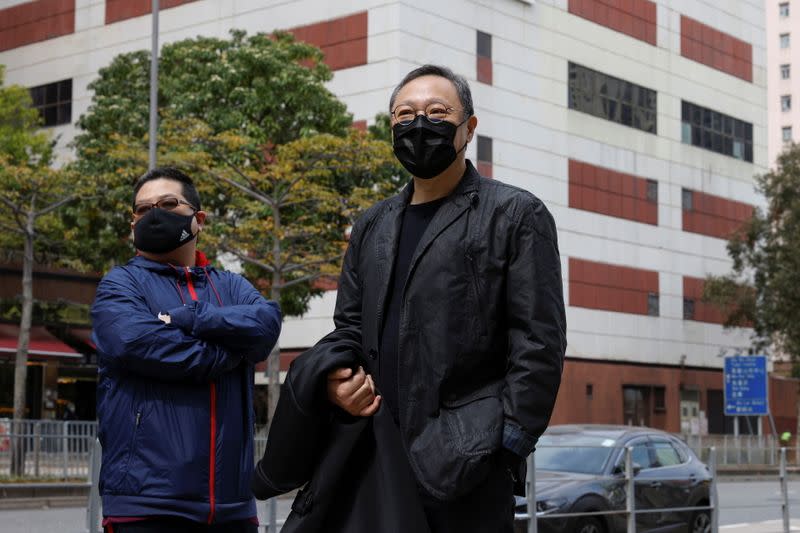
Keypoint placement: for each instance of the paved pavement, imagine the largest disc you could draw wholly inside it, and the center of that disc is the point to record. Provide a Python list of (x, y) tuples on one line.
[(747, 506)]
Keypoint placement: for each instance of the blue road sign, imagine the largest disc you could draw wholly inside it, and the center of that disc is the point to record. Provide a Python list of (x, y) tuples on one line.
[(746, 385)]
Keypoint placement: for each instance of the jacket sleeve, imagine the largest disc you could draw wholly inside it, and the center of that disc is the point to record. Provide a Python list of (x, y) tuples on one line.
[(537, 330), (250, 327), (130, 337), (347, 314)]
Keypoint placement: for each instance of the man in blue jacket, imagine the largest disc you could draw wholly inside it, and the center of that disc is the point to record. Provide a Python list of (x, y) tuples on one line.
[(177, 342)]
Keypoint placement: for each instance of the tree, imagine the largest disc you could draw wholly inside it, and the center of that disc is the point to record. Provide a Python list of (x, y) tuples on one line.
[(763, 290), (267, 87), (287, 209), (31, 192)]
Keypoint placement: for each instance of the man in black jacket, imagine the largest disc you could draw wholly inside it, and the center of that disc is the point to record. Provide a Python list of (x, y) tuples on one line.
[(451, 292)]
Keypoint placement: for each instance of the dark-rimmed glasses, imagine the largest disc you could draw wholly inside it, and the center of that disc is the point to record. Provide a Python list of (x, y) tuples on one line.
[(167, 204), (436, 112)]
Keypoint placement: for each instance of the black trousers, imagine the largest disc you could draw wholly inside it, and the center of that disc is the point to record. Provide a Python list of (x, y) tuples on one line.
[(489, 508), (172, 525)]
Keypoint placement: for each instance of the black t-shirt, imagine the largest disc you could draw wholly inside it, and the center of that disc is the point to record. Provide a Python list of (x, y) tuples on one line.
[(415, 220)]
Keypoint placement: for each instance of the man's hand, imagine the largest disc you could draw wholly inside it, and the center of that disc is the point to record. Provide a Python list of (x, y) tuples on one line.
[(354, 393), (165, 318)]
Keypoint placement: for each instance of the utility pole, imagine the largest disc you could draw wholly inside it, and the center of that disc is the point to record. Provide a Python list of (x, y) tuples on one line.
[(154, 88)]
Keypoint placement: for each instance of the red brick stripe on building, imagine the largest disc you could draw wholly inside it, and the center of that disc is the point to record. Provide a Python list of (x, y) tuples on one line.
[(484, 67), (715, 216), (703, 311), (342, 40), (608, 192), (636, 18), (610, 287), (37, 21), (117, 10), (716, 49)]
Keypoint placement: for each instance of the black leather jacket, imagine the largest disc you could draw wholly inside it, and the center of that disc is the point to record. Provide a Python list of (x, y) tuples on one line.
[(482, 326)]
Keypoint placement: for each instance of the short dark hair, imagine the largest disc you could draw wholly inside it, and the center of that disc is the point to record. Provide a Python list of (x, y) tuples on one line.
[(460, 83), (170, 173)]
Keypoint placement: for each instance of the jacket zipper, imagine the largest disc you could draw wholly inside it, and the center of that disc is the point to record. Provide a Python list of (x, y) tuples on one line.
[(212, 452)]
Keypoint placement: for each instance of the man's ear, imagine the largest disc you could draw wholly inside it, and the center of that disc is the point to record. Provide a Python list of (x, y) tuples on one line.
[(201, 219), (472, 123)]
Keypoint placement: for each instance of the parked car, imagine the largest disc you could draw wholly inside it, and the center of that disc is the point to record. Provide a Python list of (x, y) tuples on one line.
[(581, 468)]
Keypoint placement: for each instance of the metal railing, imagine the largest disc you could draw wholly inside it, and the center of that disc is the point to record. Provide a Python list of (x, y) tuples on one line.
[(738, 450), (45, 449), (630, 511)]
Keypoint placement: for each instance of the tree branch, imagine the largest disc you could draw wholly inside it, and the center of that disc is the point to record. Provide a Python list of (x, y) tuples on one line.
[(300, 266), (7, 227), (247, 259), (297, 281), (52, 207), (233, 183), (11, 205)]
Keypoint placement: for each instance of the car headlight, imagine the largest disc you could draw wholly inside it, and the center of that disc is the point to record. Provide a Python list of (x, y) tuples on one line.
[(548, 506)]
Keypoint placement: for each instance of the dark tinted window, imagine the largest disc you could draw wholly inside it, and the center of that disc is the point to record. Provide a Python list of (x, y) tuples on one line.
[(484, 45), (54, 102), (484, 149), (611, 98), (714, 131)]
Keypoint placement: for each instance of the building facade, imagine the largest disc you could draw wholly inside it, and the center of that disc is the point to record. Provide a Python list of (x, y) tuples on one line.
[(783, 62), (639, 123)]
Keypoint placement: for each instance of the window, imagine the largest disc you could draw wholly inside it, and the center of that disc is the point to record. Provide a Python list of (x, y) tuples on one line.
[(652, 191), (484, 149), (640, 456), (652, 304), (688, 309), (636, 405), (611, 98), (783, 9), (54, 102), (786, 102), (484, 48), (709, 129), (784, 40), (786, 134), (589, 391), (659, 399), (786, 72), (665, 454), (687, 199)]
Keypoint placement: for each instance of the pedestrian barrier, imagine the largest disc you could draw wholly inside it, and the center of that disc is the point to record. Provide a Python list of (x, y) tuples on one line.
[(45, 449), (529, 521)]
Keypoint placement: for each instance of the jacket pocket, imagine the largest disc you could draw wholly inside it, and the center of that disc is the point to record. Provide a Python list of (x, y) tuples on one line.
[(125, 484), (475, 420)]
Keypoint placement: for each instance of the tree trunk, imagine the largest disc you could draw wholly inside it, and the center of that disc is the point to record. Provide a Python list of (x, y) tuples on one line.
[(274, 360), (23, 343)]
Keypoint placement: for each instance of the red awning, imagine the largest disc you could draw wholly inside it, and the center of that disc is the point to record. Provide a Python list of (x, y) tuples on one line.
[(43, 343)]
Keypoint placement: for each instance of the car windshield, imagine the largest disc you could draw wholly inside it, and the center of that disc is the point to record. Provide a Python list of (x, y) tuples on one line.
[(576, 453)]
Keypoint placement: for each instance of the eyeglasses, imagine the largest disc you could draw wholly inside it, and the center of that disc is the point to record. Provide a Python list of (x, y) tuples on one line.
[(436, 112), (167, 204)]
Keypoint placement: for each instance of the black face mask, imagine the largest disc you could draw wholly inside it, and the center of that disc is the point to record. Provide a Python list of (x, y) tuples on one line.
[(425, 148), (160, 231)]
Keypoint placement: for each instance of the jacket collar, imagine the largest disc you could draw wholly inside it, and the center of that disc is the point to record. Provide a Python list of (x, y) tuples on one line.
[(201, 263), (467, 188)]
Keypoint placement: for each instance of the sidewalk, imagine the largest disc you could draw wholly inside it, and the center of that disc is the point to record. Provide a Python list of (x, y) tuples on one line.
[(770, 526)]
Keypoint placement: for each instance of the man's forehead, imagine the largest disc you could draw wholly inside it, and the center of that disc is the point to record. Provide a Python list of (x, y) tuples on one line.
[(427, 89), (159, 187)]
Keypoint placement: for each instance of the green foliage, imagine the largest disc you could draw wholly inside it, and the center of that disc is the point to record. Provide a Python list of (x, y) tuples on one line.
[(764, 288), (283, 210), (20, 141), (267, 88)]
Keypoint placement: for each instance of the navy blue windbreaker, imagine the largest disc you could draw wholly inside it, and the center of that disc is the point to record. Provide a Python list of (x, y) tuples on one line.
[(175, 402)]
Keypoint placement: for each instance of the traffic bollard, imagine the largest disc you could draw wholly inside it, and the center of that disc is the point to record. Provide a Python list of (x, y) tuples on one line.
[(784, 492), (713, 494), (531, 494), (630, 488)]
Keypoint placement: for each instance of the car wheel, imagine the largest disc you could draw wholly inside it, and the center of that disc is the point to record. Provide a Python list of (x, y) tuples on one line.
[(701, 522), (588, 524)]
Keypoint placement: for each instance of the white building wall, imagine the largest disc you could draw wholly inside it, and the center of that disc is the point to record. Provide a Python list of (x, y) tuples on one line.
[(526, 113)]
